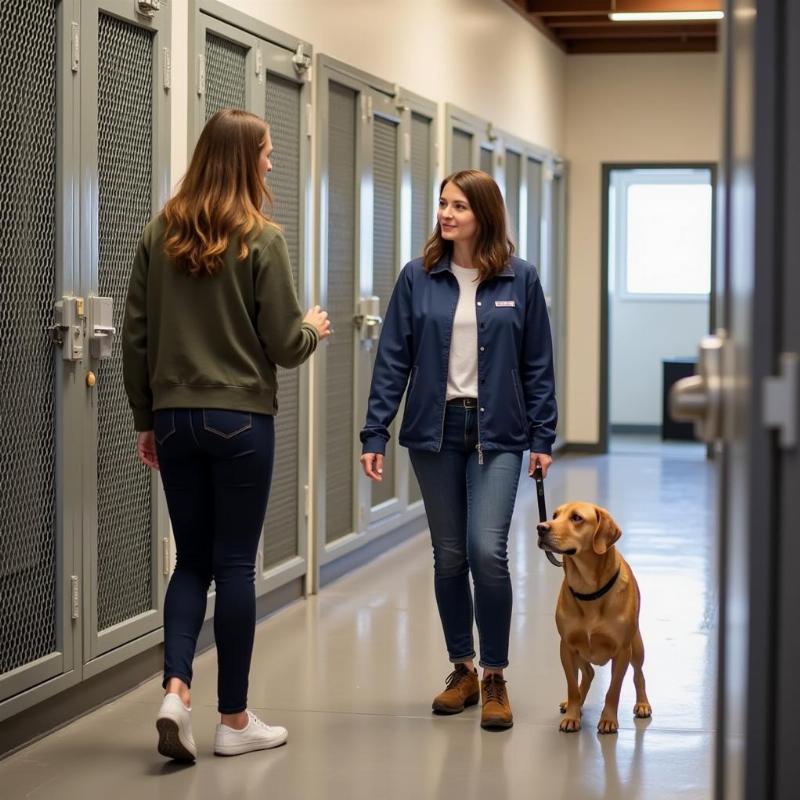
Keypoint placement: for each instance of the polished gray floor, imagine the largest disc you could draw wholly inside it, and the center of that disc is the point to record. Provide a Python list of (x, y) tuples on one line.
[(351, 673)]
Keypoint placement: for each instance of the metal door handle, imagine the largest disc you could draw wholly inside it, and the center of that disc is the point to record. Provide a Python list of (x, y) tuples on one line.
[(698, 398)]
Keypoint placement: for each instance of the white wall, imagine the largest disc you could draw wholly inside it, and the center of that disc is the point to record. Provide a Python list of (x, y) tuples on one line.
[(622, 108), (643, 332), (478, 54)]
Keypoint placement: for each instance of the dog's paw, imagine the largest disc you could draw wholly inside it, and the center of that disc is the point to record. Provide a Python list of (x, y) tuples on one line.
[(607, 725), (562, 707), (570, 724), (642, 711)]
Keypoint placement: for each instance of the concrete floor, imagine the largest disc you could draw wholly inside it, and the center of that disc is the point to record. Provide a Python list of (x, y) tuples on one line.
[(351, 673)]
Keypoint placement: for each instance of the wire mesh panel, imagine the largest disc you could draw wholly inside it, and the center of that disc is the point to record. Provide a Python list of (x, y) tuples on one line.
[(226, 74), (125, 552), (534, 221), (513, 181), (462, 150), (421, 214), (283, 116), (28, 581), (339, 424), (384, 258), (486, 160)]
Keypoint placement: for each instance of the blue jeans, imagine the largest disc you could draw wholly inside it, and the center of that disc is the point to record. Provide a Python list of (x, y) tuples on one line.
[(216, 467), (469, 507)]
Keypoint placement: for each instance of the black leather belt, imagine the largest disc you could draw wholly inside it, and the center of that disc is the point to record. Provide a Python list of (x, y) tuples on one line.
[(464, 402)]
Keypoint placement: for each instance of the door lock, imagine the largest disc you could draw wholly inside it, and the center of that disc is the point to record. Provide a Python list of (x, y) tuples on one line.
[(101, 329), (698, 398), (368, 321), (68, 329)]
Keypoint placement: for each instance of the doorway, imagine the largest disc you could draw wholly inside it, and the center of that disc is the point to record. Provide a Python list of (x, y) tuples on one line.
[(658, 270)]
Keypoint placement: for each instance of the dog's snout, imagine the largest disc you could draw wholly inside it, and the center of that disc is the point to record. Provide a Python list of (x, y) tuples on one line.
[(543, 528)]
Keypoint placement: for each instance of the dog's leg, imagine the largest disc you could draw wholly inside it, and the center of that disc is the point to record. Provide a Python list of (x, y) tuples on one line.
[(587, 676), (572, 712), (619, 666), (642, 708)]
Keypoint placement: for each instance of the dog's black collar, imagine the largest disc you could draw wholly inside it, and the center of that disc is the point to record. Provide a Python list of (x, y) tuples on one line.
[(599, 592)]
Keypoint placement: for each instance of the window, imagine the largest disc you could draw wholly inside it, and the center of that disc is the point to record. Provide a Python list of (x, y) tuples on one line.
[(662, 228)]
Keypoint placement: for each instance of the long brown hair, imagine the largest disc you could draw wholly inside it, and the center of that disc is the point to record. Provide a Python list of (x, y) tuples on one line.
[(221, 196), (493, 248)]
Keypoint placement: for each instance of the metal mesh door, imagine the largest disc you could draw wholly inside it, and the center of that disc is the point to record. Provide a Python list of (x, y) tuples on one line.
[(125, 552), (226, 75), (462, 150), (339, 425), (421, 216), (534, 221), (384, 258), (28, 583), (486, 160), (513, 180), (283, 116)]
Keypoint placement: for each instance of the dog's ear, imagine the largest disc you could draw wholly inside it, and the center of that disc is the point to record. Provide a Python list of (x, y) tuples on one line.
[(606, 533)]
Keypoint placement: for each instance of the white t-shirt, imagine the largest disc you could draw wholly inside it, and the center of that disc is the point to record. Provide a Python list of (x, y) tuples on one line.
[(462, 373)]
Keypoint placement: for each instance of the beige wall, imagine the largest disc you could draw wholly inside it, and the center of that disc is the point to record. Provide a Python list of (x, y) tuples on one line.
[(653, 108), (478, 54)]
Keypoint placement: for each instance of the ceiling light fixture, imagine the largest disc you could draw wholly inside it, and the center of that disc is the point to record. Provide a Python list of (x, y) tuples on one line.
[(665, 16)]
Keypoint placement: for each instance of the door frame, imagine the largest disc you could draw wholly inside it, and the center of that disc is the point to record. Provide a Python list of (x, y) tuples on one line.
[(604, 409)]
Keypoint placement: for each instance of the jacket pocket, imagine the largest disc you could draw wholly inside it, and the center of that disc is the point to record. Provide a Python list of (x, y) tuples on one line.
[(164, 425), (226, 424), (520, 397)]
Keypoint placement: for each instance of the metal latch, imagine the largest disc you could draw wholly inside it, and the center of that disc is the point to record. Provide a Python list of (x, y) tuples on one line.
[(102, 330), (68, 330), (368, 321), (781, 400), (300, 60), (147, 8)]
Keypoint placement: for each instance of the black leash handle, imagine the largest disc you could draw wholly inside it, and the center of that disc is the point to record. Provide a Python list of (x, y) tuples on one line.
[(539, 478)]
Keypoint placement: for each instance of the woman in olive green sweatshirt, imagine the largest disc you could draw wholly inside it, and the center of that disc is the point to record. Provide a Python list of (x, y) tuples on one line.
[(211, 311)]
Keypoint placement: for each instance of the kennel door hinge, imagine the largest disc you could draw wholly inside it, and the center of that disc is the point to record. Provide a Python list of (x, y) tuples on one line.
[(166, 557), (306, 501), (166, 64), (781, 400), (75, 46), (75, 595), (201, 75)]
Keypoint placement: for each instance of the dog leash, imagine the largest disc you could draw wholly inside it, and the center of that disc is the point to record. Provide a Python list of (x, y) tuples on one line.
[(539, 478)]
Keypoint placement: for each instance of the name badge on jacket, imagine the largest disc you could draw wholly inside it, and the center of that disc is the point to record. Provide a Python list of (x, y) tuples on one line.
[(505, 304)]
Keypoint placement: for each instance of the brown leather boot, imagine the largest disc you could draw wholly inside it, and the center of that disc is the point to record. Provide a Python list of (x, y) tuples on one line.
[(461, 690), (496, 712)]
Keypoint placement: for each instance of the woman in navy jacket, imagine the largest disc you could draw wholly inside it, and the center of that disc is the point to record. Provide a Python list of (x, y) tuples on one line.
[(467, 333)]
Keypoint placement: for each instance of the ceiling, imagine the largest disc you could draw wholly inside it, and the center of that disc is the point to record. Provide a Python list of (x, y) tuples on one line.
[(583, 26)]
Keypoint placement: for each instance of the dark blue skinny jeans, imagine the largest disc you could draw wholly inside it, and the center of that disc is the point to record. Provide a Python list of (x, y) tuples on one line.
[(469, 507), (216, 467)]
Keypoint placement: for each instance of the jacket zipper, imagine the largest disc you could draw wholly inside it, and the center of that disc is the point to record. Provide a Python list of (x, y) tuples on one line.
[(478, 446)]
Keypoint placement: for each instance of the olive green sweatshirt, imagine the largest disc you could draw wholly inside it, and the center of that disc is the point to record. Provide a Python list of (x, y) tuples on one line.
[(212, 341)]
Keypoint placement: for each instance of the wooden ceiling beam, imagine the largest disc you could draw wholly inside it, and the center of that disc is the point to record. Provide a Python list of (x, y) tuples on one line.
[(640, 32), (663, 45), (570, 8)]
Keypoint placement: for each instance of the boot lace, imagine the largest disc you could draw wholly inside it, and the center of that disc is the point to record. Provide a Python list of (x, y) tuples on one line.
[(458, 675), (495, 689)]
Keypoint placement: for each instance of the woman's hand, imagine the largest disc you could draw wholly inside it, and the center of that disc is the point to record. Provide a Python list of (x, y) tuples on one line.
[(146, 449), (373, 465), (319, 319), (542, 460)]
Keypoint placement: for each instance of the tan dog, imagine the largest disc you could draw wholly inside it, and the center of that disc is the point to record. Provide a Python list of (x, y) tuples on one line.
[(597, 613)]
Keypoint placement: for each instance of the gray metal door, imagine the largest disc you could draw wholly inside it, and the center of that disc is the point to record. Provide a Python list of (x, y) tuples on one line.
[(513, 186), (39, 456), (238, 68), (533, 217), (384, 158), (424, 196), (461, 146), (124, 174)]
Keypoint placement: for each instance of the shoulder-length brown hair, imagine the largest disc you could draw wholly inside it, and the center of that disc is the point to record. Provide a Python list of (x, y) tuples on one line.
[(493, 248), (222, 195)]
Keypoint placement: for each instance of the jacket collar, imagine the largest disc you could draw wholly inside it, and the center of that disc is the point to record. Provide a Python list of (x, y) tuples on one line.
[(443, 265)]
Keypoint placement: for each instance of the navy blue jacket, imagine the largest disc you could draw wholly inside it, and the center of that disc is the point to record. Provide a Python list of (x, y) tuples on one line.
[(516, 387)]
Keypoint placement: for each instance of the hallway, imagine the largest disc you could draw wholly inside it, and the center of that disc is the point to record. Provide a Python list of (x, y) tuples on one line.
[(351, 673)]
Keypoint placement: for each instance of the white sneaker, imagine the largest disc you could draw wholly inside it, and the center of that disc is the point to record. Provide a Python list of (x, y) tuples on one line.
[(174, 726), (256, 736)]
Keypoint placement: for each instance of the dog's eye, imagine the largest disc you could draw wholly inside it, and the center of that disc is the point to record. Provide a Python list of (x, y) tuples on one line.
[(577, 518), (555, 516)]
